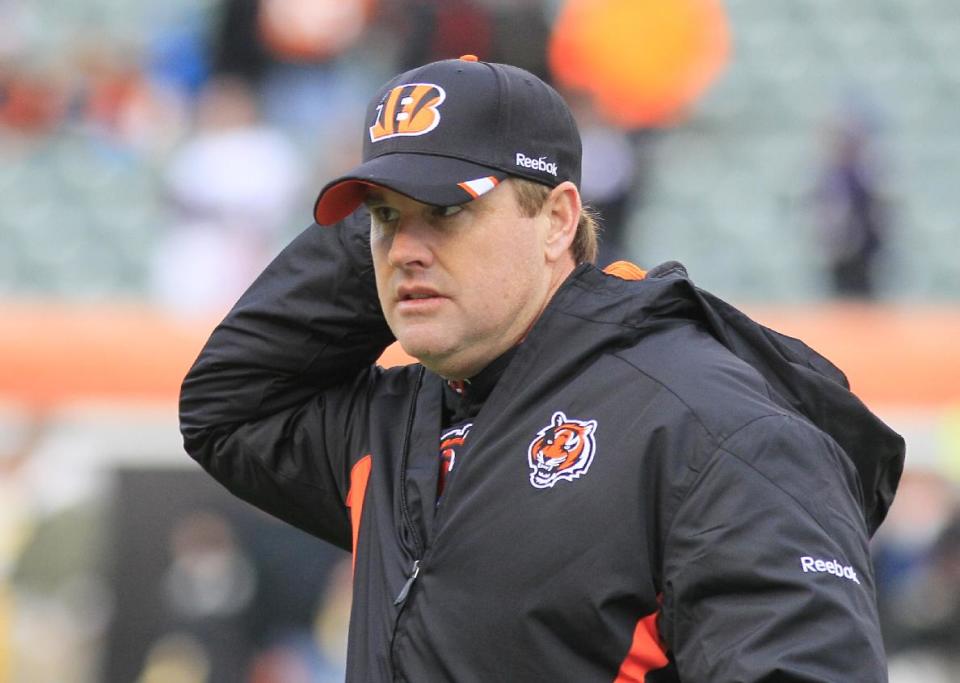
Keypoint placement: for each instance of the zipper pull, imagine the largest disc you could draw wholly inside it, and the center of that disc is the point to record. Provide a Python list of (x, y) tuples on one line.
[(406, 587)]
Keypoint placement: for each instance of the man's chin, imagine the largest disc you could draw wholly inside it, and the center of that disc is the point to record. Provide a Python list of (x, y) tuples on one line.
[(433, 357), (425, 350)]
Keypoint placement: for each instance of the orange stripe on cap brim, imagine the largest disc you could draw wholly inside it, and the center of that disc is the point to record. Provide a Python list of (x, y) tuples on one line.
[(468, 186), (340, 200)]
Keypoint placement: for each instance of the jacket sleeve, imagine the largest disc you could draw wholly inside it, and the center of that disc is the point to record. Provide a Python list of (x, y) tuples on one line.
[(275, 404), (767, 574)]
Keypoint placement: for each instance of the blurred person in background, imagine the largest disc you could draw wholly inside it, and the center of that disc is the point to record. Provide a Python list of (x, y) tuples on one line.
[(851, 209), (54, 603), (295, 53), (507, 31), (230, 189), (206, 588), (214, 587), (219, 604), (589, 474), (440, 29), (929, 610), (917, 558), (614, 178)]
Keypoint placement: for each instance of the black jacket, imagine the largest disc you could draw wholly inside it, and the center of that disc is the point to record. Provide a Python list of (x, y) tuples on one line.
[(718, 532)]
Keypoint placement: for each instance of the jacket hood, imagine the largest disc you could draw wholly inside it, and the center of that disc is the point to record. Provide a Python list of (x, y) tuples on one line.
[(801, 380)]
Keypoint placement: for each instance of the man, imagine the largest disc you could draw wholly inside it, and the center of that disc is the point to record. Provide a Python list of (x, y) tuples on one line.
[(588, 476)]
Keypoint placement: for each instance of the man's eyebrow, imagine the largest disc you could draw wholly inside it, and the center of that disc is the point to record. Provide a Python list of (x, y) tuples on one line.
[(373, 197)]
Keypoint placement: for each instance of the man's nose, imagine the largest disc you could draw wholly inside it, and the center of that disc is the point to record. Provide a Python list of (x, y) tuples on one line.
[(410, 246)]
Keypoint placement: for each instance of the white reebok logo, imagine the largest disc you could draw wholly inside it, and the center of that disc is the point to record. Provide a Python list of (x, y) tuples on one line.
[(812, 564), (538, 164)]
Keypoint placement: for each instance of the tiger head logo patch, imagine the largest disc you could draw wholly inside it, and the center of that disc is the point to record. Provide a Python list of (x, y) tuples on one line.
[(562, 450), (409, 109)]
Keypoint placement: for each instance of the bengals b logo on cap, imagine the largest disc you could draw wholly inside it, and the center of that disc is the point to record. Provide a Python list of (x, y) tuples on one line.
[(409, 109)]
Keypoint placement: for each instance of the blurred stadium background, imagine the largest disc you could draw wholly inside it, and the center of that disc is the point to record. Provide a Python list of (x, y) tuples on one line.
[(800, 157)]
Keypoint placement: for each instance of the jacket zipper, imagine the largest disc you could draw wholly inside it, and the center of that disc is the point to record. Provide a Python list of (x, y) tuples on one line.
[(405, 591), (407, 521), (404, 506)]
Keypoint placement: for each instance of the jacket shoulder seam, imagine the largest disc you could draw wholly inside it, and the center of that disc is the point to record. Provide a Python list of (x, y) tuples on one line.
[(717, 442), (741, 461), (631, 324)]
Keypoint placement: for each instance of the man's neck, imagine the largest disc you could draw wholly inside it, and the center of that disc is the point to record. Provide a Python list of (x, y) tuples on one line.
[(558, 276)]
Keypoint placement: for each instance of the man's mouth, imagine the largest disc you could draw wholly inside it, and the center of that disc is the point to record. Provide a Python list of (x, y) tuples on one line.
[(418, 300), (416, 293)]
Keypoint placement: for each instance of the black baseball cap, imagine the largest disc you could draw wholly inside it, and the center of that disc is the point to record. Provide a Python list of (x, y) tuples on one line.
[(448, 132)]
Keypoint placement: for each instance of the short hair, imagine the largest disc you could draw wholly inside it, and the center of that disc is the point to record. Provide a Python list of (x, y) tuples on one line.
[(530, 197)]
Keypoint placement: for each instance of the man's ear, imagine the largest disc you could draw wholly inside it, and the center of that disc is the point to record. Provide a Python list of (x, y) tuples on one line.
[(562, 209)]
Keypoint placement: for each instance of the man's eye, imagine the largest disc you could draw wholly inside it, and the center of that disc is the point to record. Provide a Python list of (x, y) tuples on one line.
[(446, 211), (384, 214)]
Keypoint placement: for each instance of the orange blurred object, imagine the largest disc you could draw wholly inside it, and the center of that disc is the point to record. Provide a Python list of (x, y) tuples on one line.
[(644, 63), (53, 353)]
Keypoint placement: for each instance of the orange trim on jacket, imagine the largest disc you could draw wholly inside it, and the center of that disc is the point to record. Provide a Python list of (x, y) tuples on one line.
[(359, 477), (647, 652), (625, 270)]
